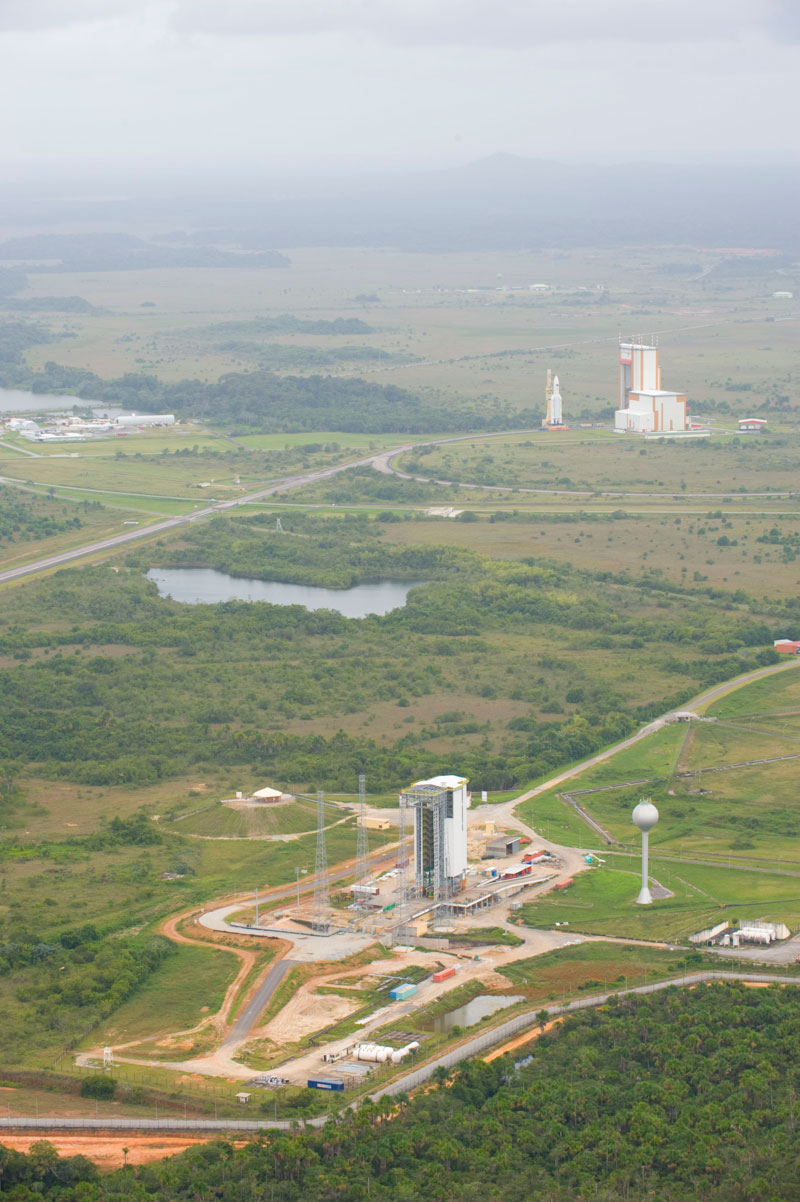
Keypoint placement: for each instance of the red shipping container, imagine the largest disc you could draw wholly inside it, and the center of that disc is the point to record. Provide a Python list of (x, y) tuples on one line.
[(443, 974)]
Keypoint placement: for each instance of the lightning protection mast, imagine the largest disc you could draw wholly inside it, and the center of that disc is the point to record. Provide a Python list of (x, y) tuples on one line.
[(319, 918), (362, 852)]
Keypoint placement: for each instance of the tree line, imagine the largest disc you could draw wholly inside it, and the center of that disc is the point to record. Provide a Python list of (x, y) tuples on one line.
[(681, 1095)]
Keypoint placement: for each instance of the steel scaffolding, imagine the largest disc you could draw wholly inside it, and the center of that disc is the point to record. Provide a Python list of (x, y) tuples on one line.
[(429, 804)]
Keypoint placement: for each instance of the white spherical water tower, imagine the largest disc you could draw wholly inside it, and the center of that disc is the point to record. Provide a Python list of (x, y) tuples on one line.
[(645, 816)]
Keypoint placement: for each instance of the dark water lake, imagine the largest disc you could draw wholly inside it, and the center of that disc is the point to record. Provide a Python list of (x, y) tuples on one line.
[(205, 586), (472, 1012)]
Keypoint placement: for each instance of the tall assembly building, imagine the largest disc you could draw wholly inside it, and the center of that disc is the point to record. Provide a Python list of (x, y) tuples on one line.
[(440, 834), (644, 406)]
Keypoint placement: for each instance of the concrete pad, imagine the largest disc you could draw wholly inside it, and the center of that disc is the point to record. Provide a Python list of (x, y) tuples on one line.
[(306, 948)]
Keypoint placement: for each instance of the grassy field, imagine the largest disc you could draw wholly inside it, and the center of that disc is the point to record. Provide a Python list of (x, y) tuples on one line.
[(188, 987), (724, 788), (603, 900), (675, 544), (227, 822), (600, 461), (774, 696), (446, 310), (593, 966)]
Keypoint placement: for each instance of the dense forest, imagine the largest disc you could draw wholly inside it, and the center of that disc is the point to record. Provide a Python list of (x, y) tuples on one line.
[(681, 1095)]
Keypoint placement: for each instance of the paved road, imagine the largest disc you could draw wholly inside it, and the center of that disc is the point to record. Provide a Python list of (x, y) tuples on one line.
[(246, 1020), (287, 484), (385, 463), (506, 809), (382, 461), (409, 1081), (514, 1026)]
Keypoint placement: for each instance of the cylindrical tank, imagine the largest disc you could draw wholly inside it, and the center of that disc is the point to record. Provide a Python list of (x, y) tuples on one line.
[(376, 1052)]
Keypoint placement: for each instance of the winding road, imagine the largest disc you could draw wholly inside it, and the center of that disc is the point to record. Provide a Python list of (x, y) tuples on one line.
[(381, 461)]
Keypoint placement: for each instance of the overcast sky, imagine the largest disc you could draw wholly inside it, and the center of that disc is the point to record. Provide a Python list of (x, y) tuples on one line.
[(287, 85)]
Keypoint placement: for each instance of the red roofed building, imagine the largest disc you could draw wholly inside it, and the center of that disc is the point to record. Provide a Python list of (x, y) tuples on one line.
[(787, 646)]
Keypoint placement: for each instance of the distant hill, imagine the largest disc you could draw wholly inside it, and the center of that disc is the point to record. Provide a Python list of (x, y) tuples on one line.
[(501, 202), (122, 252), (506, 202)]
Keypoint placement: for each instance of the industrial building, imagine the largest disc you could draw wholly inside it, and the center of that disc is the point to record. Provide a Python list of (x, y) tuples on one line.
[(145, 419), (644, 406), (440, 834), (726, 934), (752, 425), (503, 845)]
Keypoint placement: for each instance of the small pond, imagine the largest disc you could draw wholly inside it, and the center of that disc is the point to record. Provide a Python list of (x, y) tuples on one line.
[(205, 586), (473, 1012)]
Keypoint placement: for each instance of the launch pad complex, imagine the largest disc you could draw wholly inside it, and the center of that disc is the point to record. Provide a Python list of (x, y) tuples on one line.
[(644, 407), (554, 417), (444, 869)]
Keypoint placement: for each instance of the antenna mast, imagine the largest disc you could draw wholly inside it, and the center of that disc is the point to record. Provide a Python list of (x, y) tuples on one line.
[(362, 852), (319, 918)]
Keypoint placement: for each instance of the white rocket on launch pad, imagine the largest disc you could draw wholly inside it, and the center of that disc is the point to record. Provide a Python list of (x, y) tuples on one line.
[(552, 394)]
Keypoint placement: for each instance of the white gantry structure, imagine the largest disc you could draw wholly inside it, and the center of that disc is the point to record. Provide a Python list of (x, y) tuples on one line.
[(440, 809)]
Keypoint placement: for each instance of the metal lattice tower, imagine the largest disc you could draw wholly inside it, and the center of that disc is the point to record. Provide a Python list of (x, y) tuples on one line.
[(322, 891), (402, 854), (362, 850)]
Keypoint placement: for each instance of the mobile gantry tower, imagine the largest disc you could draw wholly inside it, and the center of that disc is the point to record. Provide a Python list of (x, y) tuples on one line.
[(440, 834)]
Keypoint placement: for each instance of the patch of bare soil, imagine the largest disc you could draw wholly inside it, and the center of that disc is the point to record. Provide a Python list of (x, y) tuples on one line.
[(106, 1149)]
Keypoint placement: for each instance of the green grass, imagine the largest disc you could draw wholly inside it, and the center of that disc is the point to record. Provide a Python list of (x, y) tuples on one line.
[(222, 821), (488, 935), (584, 966), (603, 900), (575, 460), (779, 692), (187, 988), (555, 819)]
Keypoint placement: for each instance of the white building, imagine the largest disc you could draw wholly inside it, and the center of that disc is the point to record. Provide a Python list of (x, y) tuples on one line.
[(440, 833), (644, 406), (146, 419), (753, 425)]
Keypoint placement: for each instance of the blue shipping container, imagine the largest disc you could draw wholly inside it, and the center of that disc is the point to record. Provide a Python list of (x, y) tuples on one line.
[(324, 1083), (402, 991)]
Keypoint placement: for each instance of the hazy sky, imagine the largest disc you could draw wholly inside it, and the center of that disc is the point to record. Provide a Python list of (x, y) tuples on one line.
[(307, 84)]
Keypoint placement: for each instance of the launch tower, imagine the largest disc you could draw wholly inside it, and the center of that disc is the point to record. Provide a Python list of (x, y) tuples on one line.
[(440, 834)]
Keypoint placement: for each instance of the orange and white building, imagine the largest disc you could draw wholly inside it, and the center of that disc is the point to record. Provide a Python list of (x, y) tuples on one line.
[(644, 406)]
